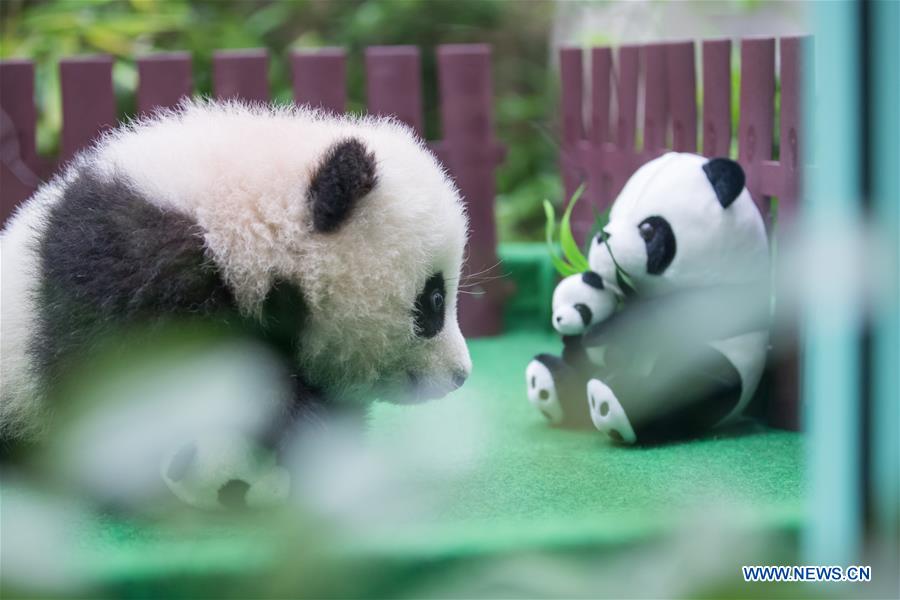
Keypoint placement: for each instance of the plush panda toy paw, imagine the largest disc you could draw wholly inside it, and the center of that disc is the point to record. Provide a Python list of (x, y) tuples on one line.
[(226, 471), (541, 387), (607, 414)]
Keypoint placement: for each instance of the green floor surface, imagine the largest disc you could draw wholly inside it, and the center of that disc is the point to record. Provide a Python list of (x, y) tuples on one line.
[(481, 473), (534, 486)]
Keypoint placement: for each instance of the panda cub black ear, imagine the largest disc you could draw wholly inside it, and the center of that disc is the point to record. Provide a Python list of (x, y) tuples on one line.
[(727, 178), (345, 175)]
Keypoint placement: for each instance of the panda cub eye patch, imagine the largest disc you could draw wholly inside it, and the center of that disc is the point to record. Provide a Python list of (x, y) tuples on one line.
[(429, 308), (660, 242)]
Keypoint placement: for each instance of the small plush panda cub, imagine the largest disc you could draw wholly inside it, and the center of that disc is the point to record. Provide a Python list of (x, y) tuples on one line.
[(579, 301)]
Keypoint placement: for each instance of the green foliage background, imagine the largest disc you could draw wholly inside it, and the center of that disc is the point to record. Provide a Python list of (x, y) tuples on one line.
[(524, 88)]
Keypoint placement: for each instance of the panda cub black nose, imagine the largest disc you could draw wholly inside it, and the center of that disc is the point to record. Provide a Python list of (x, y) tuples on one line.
[(459, 378)]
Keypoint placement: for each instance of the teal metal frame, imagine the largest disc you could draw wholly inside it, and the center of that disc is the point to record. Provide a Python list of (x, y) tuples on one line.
[(831, 326), (832, 366), (885, 415)]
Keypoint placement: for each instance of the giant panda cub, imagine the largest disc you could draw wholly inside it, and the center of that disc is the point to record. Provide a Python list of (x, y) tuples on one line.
[(345, 232), (686, 352)]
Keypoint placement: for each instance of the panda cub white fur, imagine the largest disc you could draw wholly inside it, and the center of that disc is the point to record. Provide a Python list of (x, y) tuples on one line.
[(688, 349), (344, 231)]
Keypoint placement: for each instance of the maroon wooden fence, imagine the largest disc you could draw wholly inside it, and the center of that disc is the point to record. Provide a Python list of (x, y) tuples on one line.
[(469, 148), (602, 149)]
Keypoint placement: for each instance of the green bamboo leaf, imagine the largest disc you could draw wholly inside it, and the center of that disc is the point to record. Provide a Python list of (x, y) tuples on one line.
[(626, 283), (551, 224), (567, 240), (601, 220), (561, 266)]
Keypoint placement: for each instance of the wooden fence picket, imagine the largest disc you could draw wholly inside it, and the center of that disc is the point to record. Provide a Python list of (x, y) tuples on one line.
[(627, 96), (88, 101), (601, 94), (600, 183), (394, 83), (655, 99), (319, 78), (471, 152), (625, 159), (20, 169), (572, 158), (164, 80), (682, 94), (241, 74), (782, 178), (717, 97), (755, 132)]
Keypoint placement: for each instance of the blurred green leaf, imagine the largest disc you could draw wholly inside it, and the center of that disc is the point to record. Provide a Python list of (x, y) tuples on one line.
[(601, 220), (567, 240), (561, 266)]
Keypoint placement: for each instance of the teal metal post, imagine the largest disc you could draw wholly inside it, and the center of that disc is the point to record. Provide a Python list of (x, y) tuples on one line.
[(830, 368), (885, 96)]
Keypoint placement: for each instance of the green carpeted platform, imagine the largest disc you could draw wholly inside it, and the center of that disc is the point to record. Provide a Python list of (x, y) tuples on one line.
[(534, 486), (485, 474)]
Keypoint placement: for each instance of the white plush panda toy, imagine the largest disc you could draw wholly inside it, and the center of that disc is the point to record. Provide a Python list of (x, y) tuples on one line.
[(338, 241), (686, 352)]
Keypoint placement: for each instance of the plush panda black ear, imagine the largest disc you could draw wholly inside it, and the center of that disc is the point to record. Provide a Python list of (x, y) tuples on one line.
[(727, 179), (346, 174), (592, 279)]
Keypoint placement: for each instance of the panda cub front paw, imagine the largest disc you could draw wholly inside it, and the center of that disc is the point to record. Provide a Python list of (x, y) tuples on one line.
[(607, 413), (225, 471), (542, 391)]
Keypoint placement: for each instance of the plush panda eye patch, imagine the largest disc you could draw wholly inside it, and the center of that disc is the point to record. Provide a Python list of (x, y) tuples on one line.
[(660, 242), (429, 307), (585, 313), (592, 279)]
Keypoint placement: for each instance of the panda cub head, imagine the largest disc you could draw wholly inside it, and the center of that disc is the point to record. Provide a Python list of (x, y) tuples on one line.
[(683, 221), (345, 231), (580, 301)]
